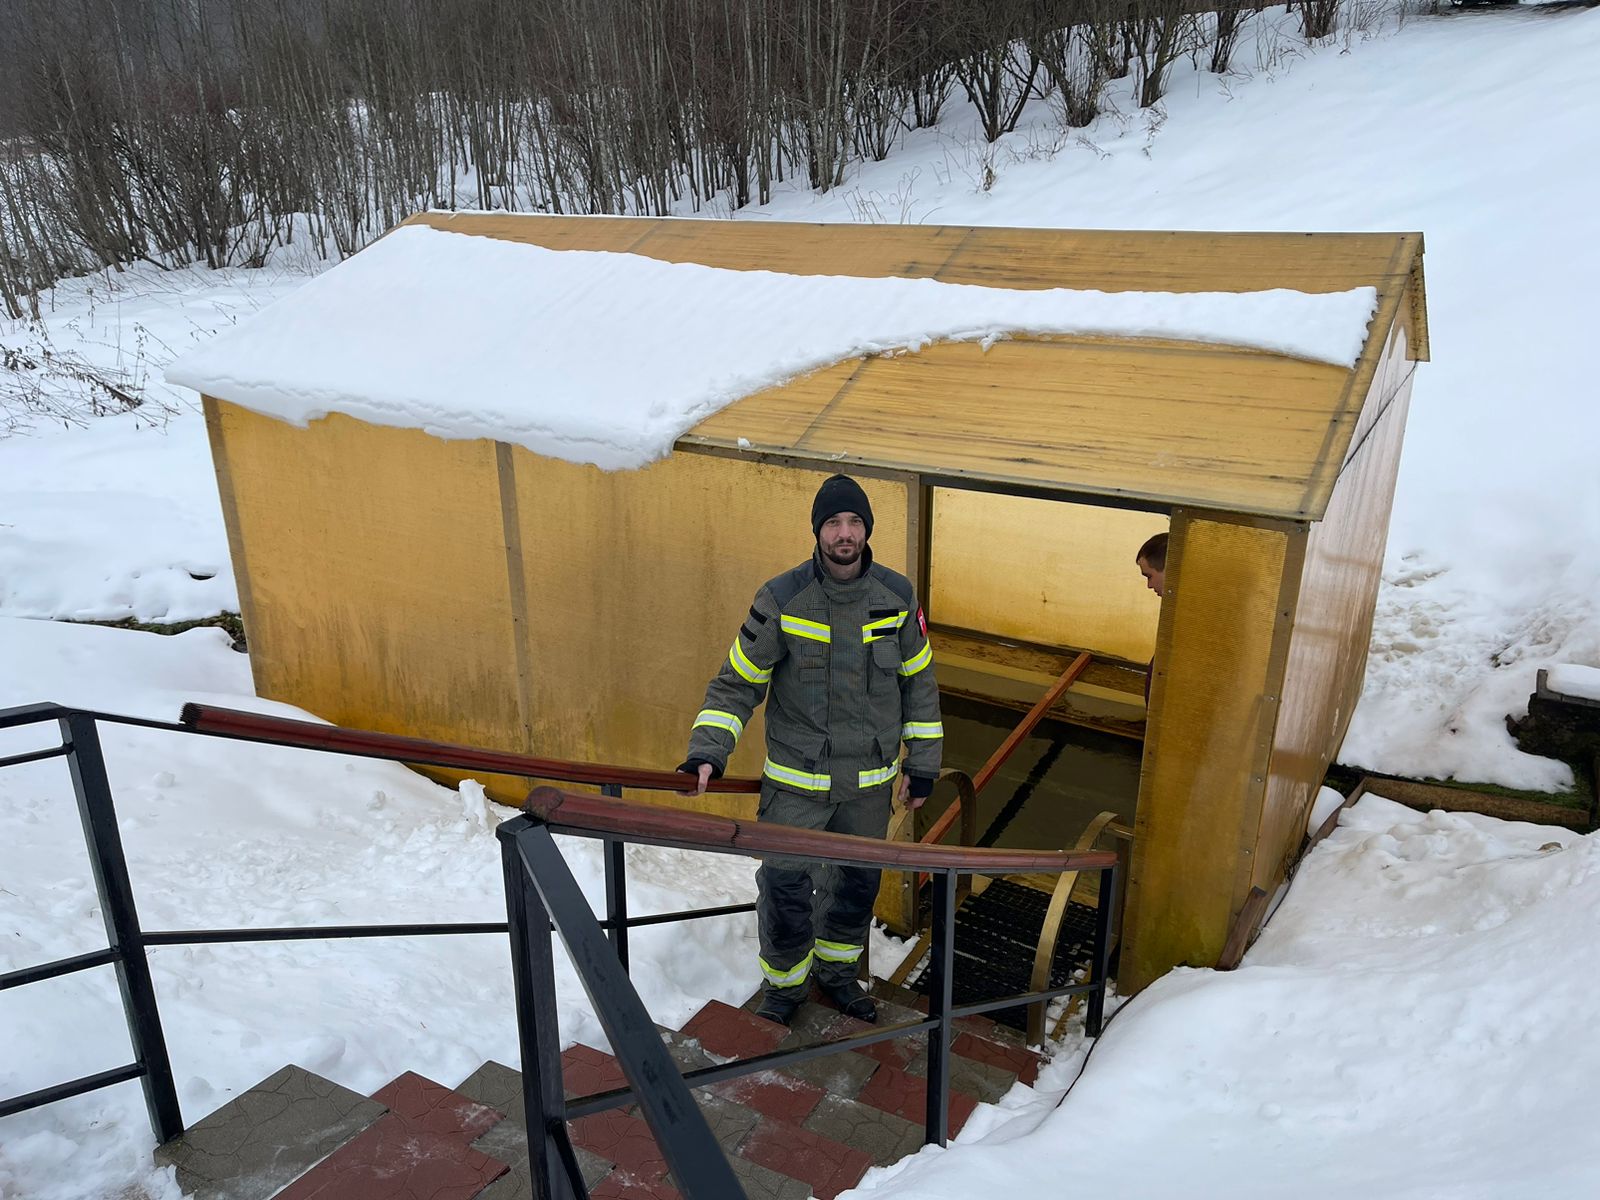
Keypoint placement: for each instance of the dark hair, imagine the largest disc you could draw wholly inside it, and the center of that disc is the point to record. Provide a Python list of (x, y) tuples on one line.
[(1154, 552)]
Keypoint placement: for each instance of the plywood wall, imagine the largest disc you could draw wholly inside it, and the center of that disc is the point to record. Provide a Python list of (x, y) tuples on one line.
[(1220, 652), (1333, 618)]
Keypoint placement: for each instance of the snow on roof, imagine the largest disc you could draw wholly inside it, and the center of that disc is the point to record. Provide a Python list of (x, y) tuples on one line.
[(608, 358)]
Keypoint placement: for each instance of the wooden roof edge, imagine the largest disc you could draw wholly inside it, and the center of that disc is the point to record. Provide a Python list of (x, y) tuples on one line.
[(864, 466), (1419, 349)]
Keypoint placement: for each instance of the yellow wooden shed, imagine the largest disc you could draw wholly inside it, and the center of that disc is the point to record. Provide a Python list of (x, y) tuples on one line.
[(474, 591)]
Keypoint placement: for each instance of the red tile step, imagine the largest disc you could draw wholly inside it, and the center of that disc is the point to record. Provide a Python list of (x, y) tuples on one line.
[(906, 1096), (776, 1096), (619, 1185), (623, 1139), (419, 1150), (826, 1166), (730, 1032)]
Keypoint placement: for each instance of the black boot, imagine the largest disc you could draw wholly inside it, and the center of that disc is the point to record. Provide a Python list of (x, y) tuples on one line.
[(851, 1000), (780, 1006)]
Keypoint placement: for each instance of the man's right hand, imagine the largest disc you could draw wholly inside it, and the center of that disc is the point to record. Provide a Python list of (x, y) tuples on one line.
[(704, 777)]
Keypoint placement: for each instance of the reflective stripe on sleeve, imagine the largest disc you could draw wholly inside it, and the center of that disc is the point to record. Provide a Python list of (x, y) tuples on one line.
[(868, 779), (815, 631), (778, 977), (918, 661), (804, 780), (747, 669), (921, 729), (717, 719), (839, 952)]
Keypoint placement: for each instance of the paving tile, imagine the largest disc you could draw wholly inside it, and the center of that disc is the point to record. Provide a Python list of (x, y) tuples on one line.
[(425, 1107), (763, 1183), (730, 1122), (843, 1074), (417, 1151), (776, 1095), (827, 1167), (729, 1032), (500, 1088), (586, 1071), (906, 1096), (885, 1137), (619, 1185), (1018, 1060), (621, 1138), (265, 1138), (685, 1050)]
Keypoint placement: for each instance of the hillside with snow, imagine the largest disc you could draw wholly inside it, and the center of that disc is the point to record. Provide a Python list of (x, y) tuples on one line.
[(1411, 1022)]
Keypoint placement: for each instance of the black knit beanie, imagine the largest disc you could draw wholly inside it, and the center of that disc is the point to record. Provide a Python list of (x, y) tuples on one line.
[(836, 495)]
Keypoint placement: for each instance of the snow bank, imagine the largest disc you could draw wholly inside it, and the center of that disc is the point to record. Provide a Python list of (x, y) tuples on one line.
[(1409, 1025), (609, 358)]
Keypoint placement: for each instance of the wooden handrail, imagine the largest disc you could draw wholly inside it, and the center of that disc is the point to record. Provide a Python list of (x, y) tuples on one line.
[(310, 735), (1009, 746), (578, 812)]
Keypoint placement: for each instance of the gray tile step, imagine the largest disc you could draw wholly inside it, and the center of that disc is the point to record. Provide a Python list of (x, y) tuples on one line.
[(265, 1138)]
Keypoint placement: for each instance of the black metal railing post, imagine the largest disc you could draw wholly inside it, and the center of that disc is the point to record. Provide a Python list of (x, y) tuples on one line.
[(616, 862), (533, 977), (700, 1170), (942, 945), (110, 866), (1104, 922)]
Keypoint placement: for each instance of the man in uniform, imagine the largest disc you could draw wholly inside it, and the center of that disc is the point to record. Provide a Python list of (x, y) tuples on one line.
[(839, 648)]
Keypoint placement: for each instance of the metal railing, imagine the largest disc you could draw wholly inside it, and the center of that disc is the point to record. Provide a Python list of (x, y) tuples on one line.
[(542, 897)]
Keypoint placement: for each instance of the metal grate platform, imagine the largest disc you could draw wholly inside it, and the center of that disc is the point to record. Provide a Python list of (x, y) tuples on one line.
[(997, 935)]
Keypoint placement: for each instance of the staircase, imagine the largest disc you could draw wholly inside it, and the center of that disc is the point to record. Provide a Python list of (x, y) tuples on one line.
[(811, 1130)]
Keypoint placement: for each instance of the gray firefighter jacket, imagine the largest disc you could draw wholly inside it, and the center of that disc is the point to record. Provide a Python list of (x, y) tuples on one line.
[(847, 672)]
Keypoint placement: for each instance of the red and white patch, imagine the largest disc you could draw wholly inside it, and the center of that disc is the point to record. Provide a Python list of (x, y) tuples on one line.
[(922, 623)]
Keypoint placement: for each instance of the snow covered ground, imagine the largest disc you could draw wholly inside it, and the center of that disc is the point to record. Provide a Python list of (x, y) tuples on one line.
[(1412, 1022)]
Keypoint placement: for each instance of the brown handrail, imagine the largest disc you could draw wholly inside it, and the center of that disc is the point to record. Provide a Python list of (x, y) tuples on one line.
[(310, 735), (586, 813), (1009, 746)]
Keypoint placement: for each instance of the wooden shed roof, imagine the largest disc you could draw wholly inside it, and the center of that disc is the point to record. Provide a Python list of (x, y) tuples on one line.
[(1152, 422)]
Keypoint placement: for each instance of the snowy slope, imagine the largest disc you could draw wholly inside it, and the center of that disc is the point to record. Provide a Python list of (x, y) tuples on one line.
[(1478, 129), (1411, 1024)]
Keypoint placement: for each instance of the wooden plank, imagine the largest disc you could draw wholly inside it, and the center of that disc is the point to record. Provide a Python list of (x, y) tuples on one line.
[(1212, 711), (1424, 797)]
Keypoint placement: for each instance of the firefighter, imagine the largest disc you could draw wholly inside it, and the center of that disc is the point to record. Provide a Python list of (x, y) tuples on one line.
[(839, 648)]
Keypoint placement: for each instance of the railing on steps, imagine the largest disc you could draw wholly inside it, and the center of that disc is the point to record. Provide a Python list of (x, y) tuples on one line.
[(541, 897)]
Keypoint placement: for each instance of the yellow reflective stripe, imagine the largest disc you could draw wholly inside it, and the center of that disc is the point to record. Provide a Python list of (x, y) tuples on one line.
[(799, 779), (922, 729), (918, 660), (800, 627), (873, 630), (868, 779), (742, 664), (719, 720), (778, 977), (839, 952)]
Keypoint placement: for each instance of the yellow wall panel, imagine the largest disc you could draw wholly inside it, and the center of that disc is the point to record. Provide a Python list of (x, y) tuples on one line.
[(1333, 619), (1213, 705), (1043, 571), (638, 582), (376, 567)]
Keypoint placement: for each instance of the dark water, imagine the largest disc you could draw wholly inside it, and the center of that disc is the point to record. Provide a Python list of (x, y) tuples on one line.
[(1056, 782)]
